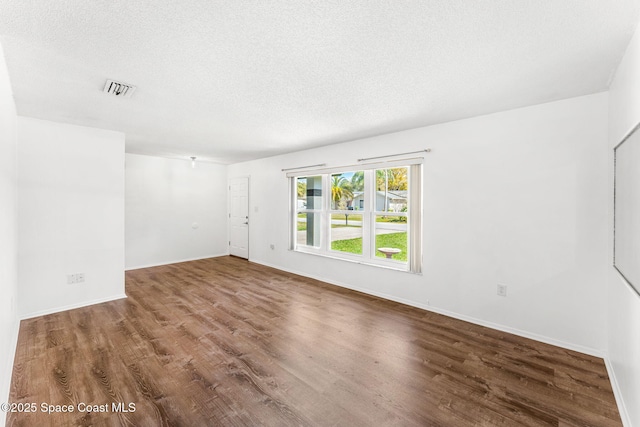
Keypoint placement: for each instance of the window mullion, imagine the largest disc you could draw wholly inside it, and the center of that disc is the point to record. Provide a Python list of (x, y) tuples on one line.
[(325, 243), (293, 213), (367, 224)]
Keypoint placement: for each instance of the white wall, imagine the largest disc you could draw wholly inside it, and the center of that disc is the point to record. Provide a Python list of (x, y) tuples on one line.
[(516, 197), (8, 233), (165, 200), (623, 303), (71, 215)]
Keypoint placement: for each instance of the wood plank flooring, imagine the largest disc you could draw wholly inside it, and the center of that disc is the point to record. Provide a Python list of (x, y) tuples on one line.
[(225, 342)]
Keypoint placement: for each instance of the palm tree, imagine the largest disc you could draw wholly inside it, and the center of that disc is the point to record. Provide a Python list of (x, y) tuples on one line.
[(357, 181), (340, 189)]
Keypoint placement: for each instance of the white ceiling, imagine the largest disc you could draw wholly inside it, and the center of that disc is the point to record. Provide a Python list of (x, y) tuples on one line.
[(231, 80)]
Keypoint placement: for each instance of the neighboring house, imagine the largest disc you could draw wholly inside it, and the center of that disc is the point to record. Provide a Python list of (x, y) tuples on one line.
[(396, 200)]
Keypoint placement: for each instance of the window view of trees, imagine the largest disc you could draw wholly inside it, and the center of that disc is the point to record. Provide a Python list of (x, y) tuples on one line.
[(341, 192), (386, 214), (392, 179), (357, 181), (392, 186), (346, 225), (391, 199), (302, 189)]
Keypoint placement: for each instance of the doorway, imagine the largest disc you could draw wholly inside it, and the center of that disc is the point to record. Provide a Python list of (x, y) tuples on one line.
[(239, 217)]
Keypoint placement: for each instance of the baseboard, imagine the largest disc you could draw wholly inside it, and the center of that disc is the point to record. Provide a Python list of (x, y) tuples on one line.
[(498, 327), (525, 334), (72, 306), (174, 262), (617, 393)]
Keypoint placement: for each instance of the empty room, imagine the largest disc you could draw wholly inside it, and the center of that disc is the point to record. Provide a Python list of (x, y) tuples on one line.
[(320, 213)]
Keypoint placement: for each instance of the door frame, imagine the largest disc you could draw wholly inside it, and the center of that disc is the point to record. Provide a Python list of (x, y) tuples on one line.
[(248, 177)]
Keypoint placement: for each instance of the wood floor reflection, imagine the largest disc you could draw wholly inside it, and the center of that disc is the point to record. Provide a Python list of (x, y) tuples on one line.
[(225, 342)]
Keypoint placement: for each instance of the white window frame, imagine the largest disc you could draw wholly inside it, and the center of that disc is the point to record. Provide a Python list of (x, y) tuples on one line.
[(414, 215)]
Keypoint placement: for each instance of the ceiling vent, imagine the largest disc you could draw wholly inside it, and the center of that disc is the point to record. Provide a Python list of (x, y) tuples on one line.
[(119, 89)]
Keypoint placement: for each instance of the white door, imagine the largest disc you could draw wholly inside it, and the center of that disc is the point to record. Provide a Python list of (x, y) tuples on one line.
[(239, 217)]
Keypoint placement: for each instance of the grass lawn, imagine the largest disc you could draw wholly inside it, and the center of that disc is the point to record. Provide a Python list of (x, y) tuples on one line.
[(391, 219), (393, 240), (352, 217)]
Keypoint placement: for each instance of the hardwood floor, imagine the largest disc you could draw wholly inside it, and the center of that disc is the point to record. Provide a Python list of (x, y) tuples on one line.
[(226, 342)]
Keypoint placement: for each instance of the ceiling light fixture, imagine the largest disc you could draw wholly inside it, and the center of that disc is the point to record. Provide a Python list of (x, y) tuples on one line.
[(193, 162)]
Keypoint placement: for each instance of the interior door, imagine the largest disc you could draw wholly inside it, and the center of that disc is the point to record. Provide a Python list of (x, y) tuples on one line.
[(239, 217)]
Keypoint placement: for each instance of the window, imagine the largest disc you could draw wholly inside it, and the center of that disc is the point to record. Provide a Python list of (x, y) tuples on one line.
[(364, 214), (309, 211)]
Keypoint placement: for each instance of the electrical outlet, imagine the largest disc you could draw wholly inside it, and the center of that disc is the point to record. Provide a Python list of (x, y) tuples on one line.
[(79, 277), (502, 290), (272, 246)]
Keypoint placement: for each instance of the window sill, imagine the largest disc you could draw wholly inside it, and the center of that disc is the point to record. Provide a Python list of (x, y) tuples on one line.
[(387, 266)]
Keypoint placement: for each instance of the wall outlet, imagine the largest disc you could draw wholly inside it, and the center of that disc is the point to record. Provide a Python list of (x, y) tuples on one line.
[(75, 278), (272, 246), (502, 290)]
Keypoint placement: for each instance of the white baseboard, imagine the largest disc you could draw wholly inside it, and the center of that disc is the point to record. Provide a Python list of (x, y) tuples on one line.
[(498, 327), (175, 262), (72, 306), (525, 334), (622, 409)]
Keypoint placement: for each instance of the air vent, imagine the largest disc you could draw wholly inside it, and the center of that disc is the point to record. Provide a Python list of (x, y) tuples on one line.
[(119, 89)]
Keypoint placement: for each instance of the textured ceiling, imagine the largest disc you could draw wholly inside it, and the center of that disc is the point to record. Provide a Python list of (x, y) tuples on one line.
[(232, 80)]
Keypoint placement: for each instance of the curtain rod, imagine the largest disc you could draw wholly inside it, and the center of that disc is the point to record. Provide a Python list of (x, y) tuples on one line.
[(427, 150), (304, 167)]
